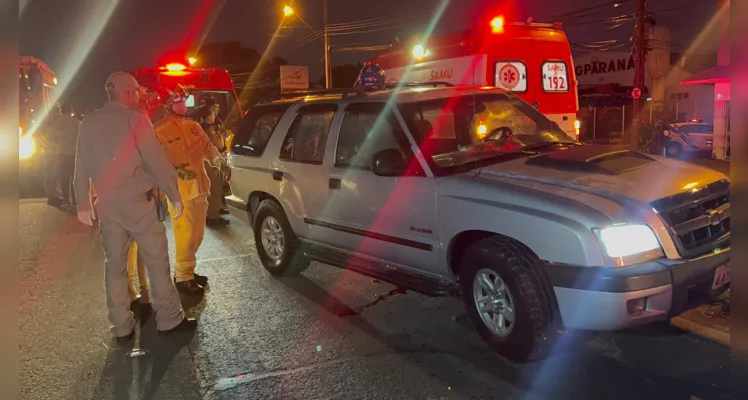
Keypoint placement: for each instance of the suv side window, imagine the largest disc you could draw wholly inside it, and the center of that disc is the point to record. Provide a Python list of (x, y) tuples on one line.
[(306, 139), (706, 129), (363, 134), (367, 129), (688, 129), (256, 130)]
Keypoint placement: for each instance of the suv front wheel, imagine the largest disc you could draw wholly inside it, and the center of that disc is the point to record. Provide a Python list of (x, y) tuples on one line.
[(508, 298), (278, 247)]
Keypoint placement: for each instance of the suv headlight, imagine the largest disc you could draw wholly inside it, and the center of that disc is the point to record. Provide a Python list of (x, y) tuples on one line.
[(629, 244)]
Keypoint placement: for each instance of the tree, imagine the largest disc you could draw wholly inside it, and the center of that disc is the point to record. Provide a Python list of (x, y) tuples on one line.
[(343, 76), (253, 76)]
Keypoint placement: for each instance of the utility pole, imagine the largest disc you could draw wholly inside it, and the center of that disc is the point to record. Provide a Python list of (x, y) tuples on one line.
[(640, 49), (328, 71)]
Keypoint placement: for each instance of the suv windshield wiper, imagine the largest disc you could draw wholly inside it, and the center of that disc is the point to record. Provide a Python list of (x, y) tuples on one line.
[(540, 145)]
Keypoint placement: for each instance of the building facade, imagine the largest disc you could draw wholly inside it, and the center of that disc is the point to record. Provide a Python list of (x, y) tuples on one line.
[(717, 81), (613, 72)]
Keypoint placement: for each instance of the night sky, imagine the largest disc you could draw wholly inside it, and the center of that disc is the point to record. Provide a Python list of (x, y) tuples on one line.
[(85, 40)]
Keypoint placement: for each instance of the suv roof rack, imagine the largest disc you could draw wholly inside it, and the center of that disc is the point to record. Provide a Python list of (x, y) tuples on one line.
[(345, 92), (275, 97)]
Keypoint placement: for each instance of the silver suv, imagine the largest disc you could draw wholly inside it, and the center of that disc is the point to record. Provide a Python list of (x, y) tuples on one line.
[(473, 192)]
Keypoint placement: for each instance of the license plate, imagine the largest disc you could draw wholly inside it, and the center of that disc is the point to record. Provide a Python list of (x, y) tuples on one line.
[(721, 276)]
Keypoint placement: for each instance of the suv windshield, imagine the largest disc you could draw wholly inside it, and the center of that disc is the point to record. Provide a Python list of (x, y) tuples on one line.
[(465, 129)]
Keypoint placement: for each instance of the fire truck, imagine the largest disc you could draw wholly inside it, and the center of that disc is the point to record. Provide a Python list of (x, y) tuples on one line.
[(37, 85), (531, 60), (200, 83)]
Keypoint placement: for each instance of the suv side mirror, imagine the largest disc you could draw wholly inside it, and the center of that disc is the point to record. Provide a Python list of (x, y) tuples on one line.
[(388, 163)]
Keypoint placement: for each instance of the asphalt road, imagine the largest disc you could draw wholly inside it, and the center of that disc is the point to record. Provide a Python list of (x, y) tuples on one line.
[(328, 334)]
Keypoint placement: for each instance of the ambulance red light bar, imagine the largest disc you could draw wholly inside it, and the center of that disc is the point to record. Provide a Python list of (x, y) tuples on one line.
[(175, 67), (497, 24)]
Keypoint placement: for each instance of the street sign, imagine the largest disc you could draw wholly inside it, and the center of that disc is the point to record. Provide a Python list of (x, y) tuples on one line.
[(293, 78), (636, 93)]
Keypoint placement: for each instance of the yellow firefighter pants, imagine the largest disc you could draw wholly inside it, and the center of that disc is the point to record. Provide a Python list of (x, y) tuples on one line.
[(189, 230), (135, 265)]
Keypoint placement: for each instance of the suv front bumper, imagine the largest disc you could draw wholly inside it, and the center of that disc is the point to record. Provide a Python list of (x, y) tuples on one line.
[(613, 298)]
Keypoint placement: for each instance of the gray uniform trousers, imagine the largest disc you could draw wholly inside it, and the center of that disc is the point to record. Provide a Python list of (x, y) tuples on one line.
[(118, 227), (215, 197)]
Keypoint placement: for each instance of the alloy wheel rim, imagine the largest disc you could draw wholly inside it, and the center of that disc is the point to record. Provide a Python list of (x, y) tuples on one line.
[(494, 302), (271, 235)]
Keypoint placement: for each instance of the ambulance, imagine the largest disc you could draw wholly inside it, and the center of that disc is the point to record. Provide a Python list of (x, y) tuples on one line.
[(37, 85), (531, 60), (200, 83)]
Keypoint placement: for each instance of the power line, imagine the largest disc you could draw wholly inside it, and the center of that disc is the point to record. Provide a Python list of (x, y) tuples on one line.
[(615, 20), (317, 35), (589, 10), (600, 45), (368, 30), (362, 24), (362, 48), (610, 28), (602, 49), (681, 7), (348, 26)]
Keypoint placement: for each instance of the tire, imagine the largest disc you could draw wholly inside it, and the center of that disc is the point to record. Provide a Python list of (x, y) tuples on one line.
[(674, 150), (291, 260), (529, 295)]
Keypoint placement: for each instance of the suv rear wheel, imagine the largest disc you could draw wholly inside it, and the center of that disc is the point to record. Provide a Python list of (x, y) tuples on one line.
[(277, 245), (508, 298), (674, 150)]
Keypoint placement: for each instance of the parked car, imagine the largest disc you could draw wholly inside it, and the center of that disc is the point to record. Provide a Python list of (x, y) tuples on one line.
[(473, 192), (689, 137)]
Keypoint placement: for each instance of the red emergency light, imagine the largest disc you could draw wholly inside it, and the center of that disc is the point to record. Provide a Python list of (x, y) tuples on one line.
[(497, 24), (175, 67)]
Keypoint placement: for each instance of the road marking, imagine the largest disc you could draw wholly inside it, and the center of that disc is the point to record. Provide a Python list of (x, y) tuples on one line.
[(223, 258), (230, 382)]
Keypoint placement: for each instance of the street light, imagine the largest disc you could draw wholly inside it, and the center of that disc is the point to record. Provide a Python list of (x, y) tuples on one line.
[(192, 60), (289, 11)]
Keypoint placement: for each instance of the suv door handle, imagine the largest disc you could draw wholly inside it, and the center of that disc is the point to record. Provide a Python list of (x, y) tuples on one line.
[(335, 183), (277, 175)]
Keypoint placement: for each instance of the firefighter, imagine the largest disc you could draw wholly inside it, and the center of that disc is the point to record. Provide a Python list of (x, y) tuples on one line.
[(207, 116), (206, 103), (187, 147), (49, 137), (66, 127)]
